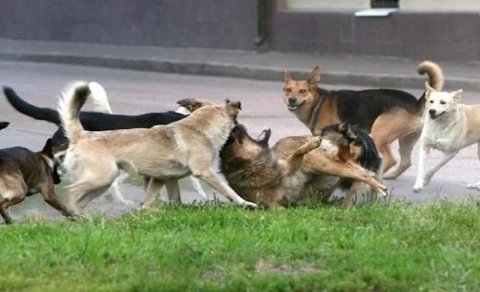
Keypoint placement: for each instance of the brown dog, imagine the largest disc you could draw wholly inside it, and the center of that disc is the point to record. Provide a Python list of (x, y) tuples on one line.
[(277, 177), (24, 173), (161, 153), (386, 114)]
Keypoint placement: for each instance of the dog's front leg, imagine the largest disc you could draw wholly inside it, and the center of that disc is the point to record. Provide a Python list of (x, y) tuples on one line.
[(51, 198), (210, 177), (152, 189), (422, 158)]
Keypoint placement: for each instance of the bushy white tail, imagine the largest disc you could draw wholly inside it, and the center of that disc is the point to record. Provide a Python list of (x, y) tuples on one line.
[(100, 98), (72, 100)]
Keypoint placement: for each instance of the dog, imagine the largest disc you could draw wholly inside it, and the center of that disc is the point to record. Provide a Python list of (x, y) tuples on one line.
[(348, 143), (386, 114), (102, 119), (161, 153), (449, 126), (24, 173), (277, 177)]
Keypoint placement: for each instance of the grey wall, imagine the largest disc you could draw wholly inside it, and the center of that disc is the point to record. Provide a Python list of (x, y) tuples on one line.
[(229, 24), (445, 36), (232, 24)]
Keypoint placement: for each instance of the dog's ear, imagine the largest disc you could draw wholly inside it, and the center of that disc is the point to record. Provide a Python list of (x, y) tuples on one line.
[(190, 103), (48, 148), (3, 125), (457, 95), (343, 127), (234, 104), (263, 141), (314, 77), (428, 89), (287, 77)]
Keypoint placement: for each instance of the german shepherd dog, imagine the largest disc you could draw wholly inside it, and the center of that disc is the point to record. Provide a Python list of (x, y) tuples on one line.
[(350, 144), (386, 114), (24, 173), (105, 120), (277, 177), (161, 153)]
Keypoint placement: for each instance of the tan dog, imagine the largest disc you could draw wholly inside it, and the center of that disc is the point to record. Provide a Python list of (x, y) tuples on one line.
[(163, 152), (278, 177), (449, 127), (386, 114)]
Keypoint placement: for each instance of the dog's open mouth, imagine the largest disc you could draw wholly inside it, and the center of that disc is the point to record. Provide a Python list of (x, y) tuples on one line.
[(294, 107), (436, 116)]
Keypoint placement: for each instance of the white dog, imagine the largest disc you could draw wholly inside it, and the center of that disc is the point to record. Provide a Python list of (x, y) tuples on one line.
[(449, 126)]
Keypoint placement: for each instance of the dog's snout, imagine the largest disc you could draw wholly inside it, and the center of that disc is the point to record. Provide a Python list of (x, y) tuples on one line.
[(432, 111), (292, 100)]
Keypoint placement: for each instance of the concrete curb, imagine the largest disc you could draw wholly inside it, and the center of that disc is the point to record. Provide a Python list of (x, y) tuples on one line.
[(238, 70)]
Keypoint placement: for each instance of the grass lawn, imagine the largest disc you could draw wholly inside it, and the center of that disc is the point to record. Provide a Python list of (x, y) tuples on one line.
[(394, 247)]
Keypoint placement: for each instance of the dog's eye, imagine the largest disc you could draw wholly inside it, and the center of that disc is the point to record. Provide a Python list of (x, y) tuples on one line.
[(288, 90), (431, 101), (302, 91), (442, 102)]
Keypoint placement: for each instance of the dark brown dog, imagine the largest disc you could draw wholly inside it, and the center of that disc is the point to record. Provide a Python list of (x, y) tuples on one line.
[(386, 114), (24, 173)]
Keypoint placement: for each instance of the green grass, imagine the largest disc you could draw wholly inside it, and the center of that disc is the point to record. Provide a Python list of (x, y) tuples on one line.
[(394, 247)]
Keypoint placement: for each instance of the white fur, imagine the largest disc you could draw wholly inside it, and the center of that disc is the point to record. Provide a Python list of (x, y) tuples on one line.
[(448, 127)]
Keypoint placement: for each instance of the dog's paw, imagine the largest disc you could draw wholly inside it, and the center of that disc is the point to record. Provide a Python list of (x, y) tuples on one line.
[(417, 188), (250, 205), (128, 202), (475, 186)]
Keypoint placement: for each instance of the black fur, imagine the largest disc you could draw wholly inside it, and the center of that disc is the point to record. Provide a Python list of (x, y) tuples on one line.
[(3, 125), (91, 121), (362, 107)]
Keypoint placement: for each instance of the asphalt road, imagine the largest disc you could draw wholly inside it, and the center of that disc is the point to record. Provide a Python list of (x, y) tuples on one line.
[(135, 92)]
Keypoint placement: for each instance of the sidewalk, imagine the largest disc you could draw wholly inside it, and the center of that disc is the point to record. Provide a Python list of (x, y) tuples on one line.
[(336, 69)]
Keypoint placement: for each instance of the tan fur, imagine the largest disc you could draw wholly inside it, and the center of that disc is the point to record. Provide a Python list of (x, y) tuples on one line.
[(393, 125), (162, 153)]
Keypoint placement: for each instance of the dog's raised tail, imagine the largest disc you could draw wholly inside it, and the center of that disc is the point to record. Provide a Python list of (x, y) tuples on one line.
[(72, 100), (434, 72), (100, 98)]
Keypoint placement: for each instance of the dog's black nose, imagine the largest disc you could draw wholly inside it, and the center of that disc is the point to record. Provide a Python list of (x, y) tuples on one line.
[(432, 112), (292, 100)]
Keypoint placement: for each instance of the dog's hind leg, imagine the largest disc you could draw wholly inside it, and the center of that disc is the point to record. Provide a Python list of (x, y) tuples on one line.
[(7, 201), (320, 165), (152, 188), (405, 147), (115, 189), (446, 158), (295, 160), (173, 191), (477, 184)]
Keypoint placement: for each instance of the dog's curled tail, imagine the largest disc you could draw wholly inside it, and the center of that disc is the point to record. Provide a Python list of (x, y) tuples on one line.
[(100, 98), (434, 72), (72, 100)]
